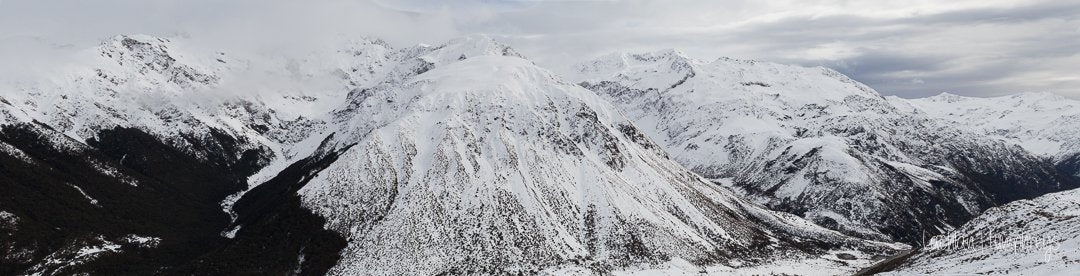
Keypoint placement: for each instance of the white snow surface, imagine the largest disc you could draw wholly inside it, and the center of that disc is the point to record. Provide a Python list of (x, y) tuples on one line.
[(8, 221), (169, 90)]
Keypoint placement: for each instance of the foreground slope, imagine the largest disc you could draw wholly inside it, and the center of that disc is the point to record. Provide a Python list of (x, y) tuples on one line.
[(1026, 237), (815, 143)]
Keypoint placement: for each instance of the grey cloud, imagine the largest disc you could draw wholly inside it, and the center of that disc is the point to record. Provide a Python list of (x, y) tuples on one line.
[(972, 48), (1031, 12)]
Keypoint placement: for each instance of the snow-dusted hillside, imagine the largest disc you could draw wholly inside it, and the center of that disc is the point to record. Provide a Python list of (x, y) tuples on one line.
[(1027, 237), (816, 143), (1043, 123)]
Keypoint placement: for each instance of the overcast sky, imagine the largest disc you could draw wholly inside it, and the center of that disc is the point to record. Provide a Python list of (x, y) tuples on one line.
[(905, 48)]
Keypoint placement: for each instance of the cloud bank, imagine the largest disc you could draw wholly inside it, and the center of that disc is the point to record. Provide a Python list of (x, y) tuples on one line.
[(906, 48)]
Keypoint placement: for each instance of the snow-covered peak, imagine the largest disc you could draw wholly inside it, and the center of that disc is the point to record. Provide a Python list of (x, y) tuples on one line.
[(1040, 96), (947, 97), (496, 78), (1043, 123), (1024, 98), (465, 47), (658, 70), (137, 43), (488, 73), (389, 66), (664, 70), (151, 57)]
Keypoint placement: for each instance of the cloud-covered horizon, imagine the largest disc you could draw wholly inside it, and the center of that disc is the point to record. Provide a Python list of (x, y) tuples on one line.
[(905, 48)]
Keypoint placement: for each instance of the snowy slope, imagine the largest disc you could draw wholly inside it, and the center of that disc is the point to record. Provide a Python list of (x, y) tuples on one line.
[(468, 158), (1027, 237), (1043, 123), (816, 143)]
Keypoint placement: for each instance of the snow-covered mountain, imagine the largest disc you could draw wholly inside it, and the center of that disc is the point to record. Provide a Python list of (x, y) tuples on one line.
[(1040, 236), (457, 158), (151, 155), (154, 85), (815, 143), (468, 158), (1043, 123), (133, 135)]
